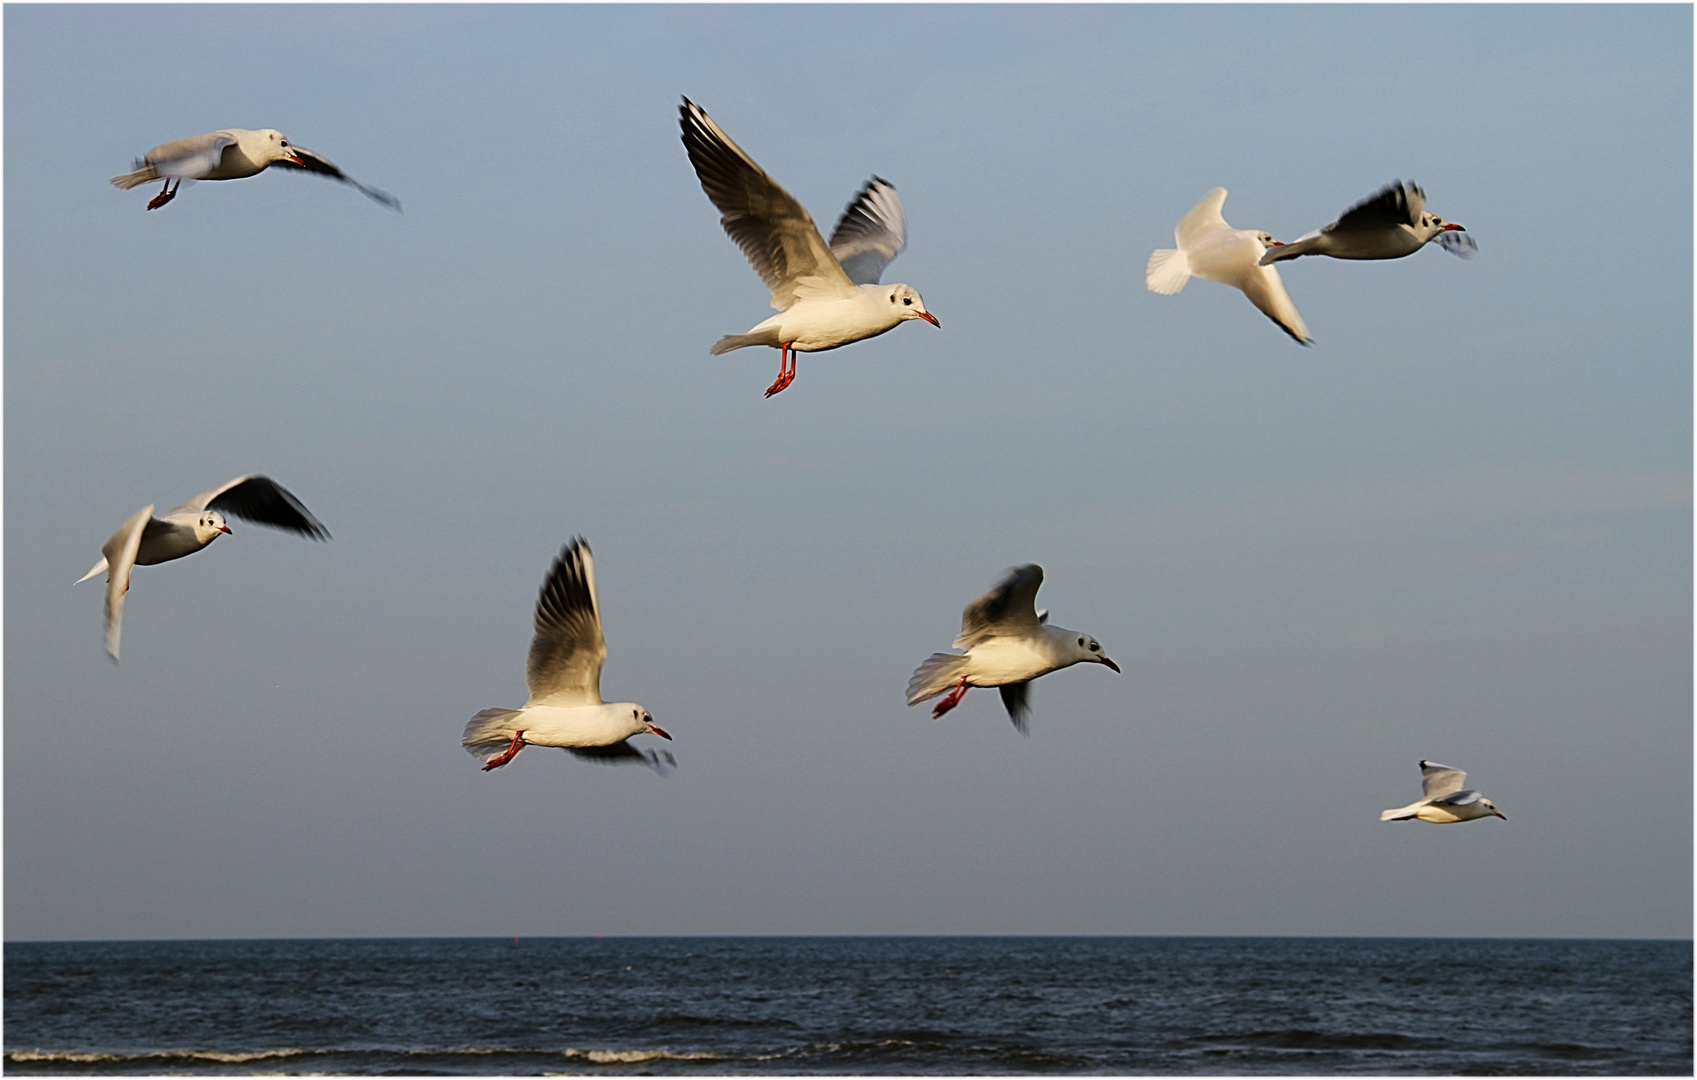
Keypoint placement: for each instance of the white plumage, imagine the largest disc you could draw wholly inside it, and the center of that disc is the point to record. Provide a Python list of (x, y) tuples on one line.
[(1210, 249), (1444, 800)]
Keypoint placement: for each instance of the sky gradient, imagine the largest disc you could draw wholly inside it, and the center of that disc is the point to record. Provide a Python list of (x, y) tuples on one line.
[(1458, 527)]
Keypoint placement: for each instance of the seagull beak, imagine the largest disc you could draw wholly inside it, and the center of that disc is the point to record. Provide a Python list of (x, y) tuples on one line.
[(930, 318), (1278, 243), (1110, 663), (1453, 227), (1500, 814), (294, 159), (223, 528), (658, 732)]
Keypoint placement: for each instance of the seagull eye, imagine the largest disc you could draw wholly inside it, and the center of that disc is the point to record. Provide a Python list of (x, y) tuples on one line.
[(1095, 647), (907, 300)]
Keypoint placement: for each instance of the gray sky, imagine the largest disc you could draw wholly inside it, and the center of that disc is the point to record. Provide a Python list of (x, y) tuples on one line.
[(1458, 527)]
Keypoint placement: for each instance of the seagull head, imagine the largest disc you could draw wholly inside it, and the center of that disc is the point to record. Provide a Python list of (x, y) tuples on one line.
[(1492, 807), (1267, 240), (276, 148), (909, 305), (1431, 225), (209, 526), (645, 723), (1088, 648)]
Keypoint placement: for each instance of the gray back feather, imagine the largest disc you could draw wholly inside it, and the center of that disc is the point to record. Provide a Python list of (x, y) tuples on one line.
[(871, 232), (1008, 610)]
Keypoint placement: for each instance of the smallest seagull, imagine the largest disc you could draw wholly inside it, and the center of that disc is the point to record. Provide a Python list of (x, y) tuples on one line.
[(231, 154), (1007, 644), (1390, 225), (1210, 249), (564, 674), (144, 539), (1445, 801)]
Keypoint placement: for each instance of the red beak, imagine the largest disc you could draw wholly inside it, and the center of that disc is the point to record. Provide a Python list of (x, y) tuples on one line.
[(1110, 663), (223, 528), (295, 160), (930, 318), (658, 732), (1452, 227)]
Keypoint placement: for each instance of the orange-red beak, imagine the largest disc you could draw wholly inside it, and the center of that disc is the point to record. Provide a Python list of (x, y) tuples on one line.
[(658, 732), (1110, 663), (223, 528), (930, 318), (1453, 227)]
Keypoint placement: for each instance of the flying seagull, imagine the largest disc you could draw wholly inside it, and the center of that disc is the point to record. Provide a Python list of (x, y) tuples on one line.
[(1445, 802), (1008, 643), (1390, 225), (1210, 249), (565, 707), (144, 539), (230, 155), (826, 296)]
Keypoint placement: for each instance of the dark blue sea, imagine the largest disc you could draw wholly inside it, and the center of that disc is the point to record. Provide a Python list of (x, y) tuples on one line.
[(935, 1005)]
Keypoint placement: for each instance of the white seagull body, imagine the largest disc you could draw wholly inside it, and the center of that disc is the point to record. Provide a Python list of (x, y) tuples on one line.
[(144, 540), (1007, 644), (826, 296), (1445, 801), (565, 707), (1390, 225), (1210, 249), (231, 154)]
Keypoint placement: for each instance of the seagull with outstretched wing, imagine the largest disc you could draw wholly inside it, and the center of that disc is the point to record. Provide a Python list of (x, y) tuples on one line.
[(1389, 225), (1210, 249), (827, 296), (1444, 801), (144, 540), (231, 154), (1008, 643), (564, 673)]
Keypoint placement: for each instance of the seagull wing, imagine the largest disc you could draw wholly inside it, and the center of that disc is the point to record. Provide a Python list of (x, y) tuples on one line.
[(623, 753), (1437, 780), (120, 552), (261, 500), (568, 649), (773, 230), (311, 162), (191, 158), (1459, 243), (1016, 698), (1398, 204), (871, 232), (1459, 798), (1204, 216), (1266, 291), (1008, 610)]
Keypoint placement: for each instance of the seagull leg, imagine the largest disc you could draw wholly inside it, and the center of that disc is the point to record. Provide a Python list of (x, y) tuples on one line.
[(166, 194), (786, 368), (508, 754), (951, 701)]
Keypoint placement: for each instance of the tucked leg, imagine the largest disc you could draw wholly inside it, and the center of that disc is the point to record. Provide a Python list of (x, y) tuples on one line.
[(952, 700), (508, 754)]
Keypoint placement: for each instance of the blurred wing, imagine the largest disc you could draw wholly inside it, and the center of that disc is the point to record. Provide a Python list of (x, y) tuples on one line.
[(261, 500), (1439, 780), (1204, 216), (773, 230), (567, 651), (1398, 204), (120, 552), (871, 232), (311, 162), (1267, 292), (623, 753), (1008, 610), (1459, 243), (1016, 698), (191, 158)]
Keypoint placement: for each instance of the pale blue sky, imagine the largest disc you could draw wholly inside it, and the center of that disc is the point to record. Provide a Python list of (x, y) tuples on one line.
[(1458, 527)]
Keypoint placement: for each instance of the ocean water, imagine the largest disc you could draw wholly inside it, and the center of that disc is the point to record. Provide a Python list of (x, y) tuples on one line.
[(935, 1005)]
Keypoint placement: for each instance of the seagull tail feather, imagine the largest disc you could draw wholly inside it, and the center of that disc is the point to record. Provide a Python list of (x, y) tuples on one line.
[(489, 733), (940, 672), (1401, 814), (1169, 269), (743, 341), (133, 179)]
